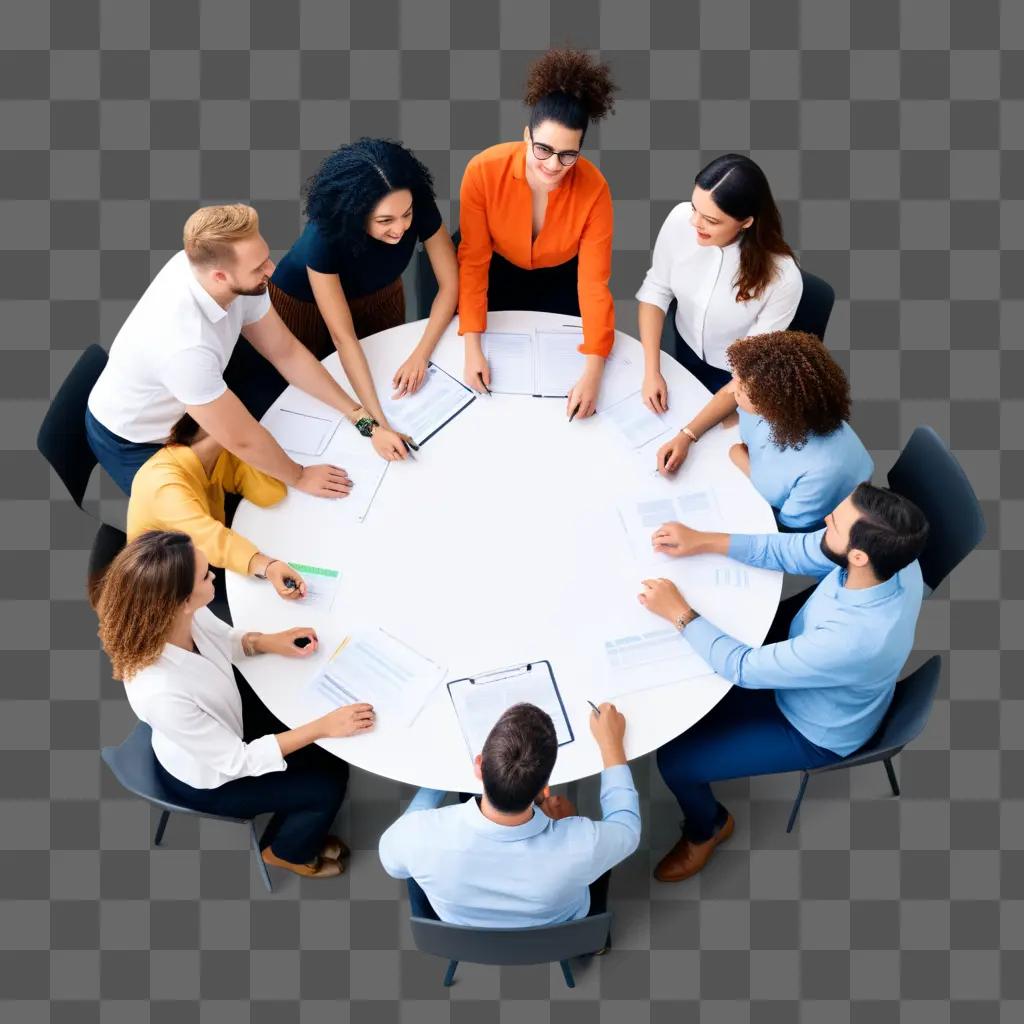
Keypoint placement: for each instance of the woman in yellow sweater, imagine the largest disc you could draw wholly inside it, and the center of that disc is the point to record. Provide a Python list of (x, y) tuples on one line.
[(182, 487)]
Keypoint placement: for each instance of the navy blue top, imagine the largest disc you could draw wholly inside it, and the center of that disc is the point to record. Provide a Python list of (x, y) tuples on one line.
[(362, 270)]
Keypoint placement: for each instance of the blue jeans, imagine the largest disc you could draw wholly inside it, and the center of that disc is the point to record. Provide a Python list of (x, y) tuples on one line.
[(744, 734), (120, 458)]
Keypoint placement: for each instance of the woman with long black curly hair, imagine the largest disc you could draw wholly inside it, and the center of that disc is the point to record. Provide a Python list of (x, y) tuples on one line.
[(723, 258), (366, 207), (796, 445), (536, 221)]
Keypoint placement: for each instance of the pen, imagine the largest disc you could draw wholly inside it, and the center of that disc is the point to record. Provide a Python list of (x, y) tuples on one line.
[(594, 706), (339, 648), (482, 381), (290, 584), (408, 449), (576, 410)]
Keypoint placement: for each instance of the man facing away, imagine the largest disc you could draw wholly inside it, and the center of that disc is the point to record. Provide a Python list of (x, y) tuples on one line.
[(170, 354), (517, 856)]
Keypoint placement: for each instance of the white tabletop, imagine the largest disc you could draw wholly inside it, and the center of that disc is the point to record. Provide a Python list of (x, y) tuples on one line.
[(501, 544)]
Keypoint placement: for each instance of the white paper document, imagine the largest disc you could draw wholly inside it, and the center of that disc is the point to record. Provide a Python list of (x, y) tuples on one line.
[(648, 660), (301, 432), (545, 364), (479, 702), (633, 422), (321, 584), (366, 470), (640, 518), (374, 667), (422, 414)]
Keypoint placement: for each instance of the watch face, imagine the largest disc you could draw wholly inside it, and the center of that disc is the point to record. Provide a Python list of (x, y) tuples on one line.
[(365, 426)]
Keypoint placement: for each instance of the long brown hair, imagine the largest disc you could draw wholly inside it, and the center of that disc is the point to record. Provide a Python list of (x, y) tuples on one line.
[(741, 190), (794, 384), (139, 596)]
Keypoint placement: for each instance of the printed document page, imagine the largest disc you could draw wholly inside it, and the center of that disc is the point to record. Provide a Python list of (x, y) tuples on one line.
[(321, 584), (640, 518), (422, 414), (648, 660), (634, 423), (559, 363), (510, 357), (374, 667), (301, 432)]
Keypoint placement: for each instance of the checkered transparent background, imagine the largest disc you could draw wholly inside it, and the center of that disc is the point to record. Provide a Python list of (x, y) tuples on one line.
[(893, 134)]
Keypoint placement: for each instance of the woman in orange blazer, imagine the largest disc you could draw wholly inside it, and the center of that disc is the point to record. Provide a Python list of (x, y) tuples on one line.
[(536, 221)]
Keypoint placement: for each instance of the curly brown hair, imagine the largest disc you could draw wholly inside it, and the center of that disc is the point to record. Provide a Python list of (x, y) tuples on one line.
[(139, 596), (568, 86), (793, 383)]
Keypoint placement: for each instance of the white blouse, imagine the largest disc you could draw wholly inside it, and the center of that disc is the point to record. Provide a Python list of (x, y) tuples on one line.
[(192, 704), (702, 279)]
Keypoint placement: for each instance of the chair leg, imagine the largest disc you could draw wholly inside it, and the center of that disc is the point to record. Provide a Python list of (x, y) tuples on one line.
[(449, 975), (570, 981), (799, 799), (891, 772), (258, 853), (158, 838)]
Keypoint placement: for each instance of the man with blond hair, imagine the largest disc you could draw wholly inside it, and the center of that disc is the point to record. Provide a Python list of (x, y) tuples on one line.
[(170, 354)]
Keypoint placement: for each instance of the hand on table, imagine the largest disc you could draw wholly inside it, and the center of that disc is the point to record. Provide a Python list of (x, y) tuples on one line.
[(388, 444), (583, 397), (348, 720), (279, 574), (324, 481), (662, 597), (655, 392), (677, 540), (672, 454), (283, 643), (409, 377), (476, 373)]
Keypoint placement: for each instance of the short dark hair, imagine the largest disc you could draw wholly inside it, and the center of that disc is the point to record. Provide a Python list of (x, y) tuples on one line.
[(518, 757), (891, 531)]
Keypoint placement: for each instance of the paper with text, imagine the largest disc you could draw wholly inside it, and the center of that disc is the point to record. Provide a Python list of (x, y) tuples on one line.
[(559, 362), (422, 414), (301, 432), (510, 358), (633, 422)]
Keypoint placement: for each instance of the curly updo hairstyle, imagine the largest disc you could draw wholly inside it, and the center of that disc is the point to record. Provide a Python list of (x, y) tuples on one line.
[(739, 188), (351, 181), (794, 384), (570, 87)]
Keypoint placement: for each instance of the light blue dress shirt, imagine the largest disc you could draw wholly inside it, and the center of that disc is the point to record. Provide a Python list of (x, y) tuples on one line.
[(477, 872), (834, 677), (804, 483)]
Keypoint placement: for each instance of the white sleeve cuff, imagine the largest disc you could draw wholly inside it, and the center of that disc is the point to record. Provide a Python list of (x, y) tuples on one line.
[(264, 755)]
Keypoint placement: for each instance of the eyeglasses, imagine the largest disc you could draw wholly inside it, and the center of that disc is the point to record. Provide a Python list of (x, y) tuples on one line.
[(541, 152)]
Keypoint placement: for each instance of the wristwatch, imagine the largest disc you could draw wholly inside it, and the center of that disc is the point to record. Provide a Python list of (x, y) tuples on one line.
[(681, 621), (365, 425)]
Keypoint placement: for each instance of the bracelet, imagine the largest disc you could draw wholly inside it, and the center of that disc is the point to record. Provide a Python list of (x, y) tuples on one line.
[(249, 644), (263, 575), (690, 434)]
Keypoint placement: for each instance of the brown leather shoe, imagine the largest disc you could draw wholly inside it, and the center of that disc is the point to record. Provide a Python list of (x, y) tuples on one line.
[(685, 859), (319, 868), (334, 849)]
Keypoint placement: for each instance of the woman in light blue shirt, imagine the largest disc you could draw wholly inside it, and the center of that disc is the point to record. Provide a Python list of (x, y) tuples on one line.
[(797, 447)]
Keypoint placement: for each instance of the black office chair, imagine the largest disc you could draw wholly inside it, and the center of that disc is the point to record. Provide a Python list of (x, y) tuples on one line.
[(61, 439), (815, 306), (426, 282), (929, 475), (134, 766), (106, 546), (903, 722), (543, 944)]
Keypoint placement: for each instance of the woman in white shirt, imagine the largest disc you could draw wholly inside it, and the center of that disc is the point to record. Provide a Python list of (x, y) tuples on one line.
[(722, 257), (218, 748)]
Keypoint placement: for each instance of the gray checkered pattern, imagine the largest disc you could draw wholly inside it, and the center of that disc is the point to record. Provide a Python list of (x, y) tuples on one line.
[(893, 134)]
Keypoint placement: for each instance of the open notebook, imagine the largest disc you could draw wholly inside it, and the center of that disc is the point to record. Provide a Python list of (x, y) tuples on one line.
[(545, 364)]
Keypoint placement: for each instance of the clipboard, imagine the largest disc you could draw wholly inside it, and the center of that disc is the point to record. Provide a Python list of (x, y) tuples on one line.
[(459, 411), (480, 700)]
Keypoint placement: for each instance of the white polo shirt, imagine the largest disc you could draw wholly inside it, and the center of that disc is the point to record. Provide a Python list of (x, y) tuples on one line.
[(702, 279), (171, 352)]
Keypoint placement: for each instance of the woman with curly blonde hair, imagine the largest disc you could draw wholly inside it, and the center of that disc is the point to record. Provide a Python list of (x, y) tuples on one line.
[(536, 221), (218, 749), (797, 447)]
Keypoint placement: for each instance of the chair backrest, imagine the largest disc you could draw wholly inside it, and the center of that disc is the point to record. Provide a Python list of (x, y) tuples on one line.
[(907, 715), (815, 306), (539, 945), (106, 546), (61, 438), (426, 281), (928, 474)]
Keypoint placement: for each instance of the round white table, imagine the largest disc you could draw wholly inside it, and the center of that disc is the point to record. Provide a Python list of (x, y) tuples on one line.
[(502, 544)]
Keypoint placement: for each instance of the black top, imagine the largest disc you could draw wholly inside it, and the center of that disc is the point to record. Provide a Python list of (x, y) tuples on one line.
[(366, 269)]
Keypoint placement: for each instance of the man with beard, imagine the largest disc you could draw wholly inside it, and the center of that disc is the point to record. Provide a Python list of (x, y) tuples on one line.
[(170, 354), (820, 685)]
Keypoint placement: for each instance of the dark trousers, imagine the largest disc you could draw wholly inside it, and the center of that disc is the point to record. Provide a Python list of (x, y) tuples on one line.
[(713, 378), (546, 290), (303, 800), (745, 734), (419, 905), (120, 458)]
